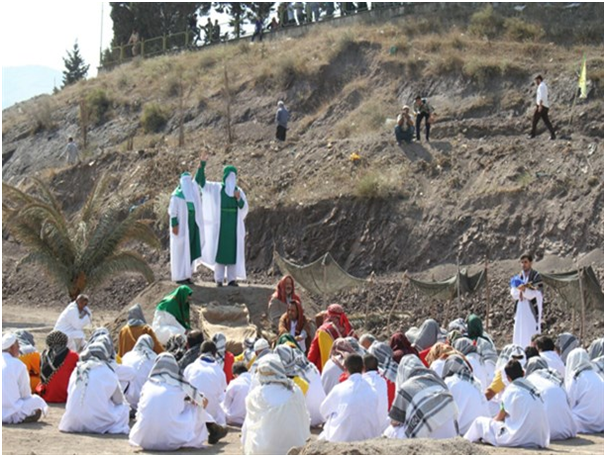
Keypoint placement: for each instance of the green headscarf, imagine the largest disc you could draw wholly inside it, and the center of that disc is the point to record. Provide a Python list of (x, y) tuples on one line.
[(475, 329), (177, 304), (227, 170), (288, 338)]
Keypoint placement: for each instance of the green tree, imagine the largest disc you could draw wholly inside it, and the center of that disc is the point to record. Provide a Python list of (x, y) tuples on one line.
[(83, 251), (75, 67), (237, 11), (260, 10)]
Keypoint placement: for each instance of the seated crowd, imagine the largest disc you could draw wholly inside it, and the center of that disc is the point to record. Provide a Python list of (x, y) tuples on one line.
[(183, 389)]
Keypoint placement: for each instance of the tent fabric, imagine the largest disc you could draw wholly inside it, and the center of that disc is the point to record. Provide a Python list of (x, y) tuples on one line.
[(568, 287), (321, 277), (447, 289)]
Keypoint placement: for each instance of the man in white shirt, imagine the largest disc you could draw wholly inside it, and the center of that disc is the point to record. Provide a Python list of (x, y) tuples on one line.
[(379, 384), (351, 409), (542, 109), (72, 321), (234, 403), (547, 352), (18, 403)]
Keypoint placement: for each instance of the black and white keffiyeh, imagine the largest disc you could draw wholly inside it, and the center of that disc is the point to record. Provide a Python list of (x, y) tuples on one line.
[(93, 356), (410, 365), (456, 366), (576, 363), (388, 368), (145, 347), (27, 344), (290, 362), (527, 385), (511, 351), (166, 370), (539, 366), (566, 342), (54, 355), (221, 344), (464, 345), (270, 370)]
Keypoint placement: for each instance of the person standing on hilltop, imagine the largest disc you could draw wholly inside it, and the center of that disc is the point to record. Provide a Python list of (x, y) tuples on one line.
[(527, 290), (423, 110), (282, 117), (542, 109), (225, 207)]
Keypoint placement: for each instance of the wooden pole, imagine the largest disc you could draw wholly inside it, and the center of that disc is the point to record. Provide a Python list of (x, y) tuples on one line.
[(372, 281), (458, 284), (395, 303), (580, 273), (487, 294)]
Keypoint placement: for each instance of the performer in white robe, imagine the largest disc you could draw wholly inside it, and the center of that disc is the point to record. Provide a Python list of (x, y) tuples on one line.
[(171, 412), (234, 403), (351, 408), (72, 321), (141, 359), (522, 421), (224, 207), (95, 403), (550, 385), (276, 415), (186, 232), (527, 290), (585, 390), (206, 375), (18, 403)]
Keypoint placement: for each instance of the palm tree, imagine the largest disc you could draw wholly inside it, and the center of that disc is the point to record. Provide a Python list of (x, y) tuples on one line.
[(79, 252)]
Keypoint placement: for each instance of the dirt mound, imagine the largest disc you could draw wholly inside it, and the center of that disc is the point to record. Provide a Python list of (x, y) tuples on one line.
[(232, 320), (456, 446)]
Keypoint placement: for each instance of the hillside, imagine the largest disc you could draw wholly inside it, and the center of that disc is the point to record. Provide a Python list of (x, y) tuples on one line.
[(479, 189)]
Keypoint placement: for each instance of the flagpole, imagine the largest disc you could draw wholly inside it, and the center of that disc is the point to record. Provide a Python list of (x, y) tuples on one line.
[(579, 88)]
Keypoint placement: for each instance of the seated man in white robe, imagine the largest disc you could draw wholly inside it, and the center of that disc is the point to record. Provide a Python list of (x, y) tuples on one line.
[(72, 321), (141, 359), (276, 415), (547, 352), (565, 344), (206, 375), (234, 403), (379, 384), (585, 390), (171, 412), (351, 408), (522, 421), (95, 403), (423, 407), (125, 373), (596, 354), (466, 347), (466, 391), (334, 366), (18, 403), (550, 385)]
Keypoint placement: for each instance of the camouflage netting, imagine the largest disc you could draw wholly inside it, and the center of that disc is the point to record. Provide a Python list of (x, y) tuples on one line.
[(568, 285), (448, 289)]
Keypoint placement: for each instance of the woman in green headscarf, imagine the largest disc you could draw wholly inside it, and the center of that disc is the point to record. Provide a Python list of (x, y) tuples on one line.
[(172, 314)]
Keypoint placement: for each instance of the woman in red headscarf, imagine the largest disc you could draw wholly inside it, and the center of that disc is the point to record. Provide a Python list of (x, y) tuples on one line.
[(281, 298), (336, 325), (400, 346)]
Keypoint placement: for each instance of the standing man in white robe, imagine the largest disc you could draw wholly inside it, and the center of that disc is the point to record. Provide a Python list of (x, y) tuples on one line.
[(351, 408), (224, 208), (72, 321), (186, 230), (18, 403), (527, 290)]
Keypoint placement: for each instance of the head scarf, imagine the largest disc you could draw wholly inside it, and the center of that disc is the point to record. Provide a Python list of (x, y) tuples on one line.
[(166, 370), (357, 347), (290, 362), (576, 363), (426, 336), (341, 348), (458, 325), (54, 355), (220, 343), (401, 346), (177, 304), (486, 350), (509, 352), (145, 347), (566, 342), (26, 342), (270, 370), (176, 345), (280, 292), (453, 336), (369, 337), (135, 316), (102, 335), (93, 356), (596, 349), (455, 365), (343, 326), (249, 351), (439, 351), (261, 344), (410, 366), (475, 329), (465, 346), (186, 188), (229, 180), (8, 339), (538, 366), (388, 368), (288, 339), (598, 365)]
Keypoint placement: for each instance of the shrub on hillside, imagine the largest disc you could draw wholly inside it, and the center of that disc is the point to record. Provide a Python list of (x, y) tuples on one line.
[(98, 104), (371, 185), (481, 71), (519, 30), (486, 22), (154, 118), (42, 115)]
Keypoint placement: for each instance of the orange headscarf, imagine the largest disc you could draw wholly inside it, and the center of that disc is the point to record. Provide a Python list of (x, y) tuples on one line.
[(344, 327)]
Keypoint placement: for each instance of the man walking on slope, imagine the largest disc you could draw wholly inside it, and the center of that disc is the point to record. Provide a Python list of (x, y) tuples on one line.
[(542, 109)]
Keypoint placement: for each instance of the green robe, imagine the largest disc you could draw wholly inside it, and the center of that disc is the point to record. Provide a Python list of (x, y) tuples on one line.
[(195, 247), (228, 228)]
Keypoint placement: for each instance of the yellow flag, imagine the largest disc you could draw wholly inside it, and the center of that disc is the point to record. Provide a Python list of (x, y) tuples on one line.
[(583, 79)]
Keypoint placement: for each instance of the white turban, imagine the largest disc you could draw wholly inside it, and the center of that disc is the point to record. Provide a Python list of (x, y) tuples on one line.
[(8, 339), (261, 344)]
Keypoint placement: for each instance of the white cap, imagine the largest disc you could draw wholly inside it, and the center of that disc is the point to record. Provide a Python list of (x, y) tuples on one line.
[(8, 339), (261, 344)]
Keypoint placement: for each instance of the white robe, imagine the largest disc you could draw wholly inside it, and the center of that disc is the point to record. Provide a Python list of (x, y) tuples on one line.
[(330, 375), (234, 403), (17, 399), (586, 398), (379, 384), (525, 426), (438, 366), (554, 361), (99, 407), (471, 403), (166, 325), (562, 425), (70, 323), (166, 422), (315, 395), (525, 325), (209, 379), (141, 367), (351, 412), (181, 265), (479, 371), (211, 210), (276, 420)]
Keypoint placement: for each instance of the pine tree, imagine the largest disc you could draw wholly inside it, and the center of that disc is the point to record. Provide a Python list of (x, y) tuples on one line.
[(75, 68)]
